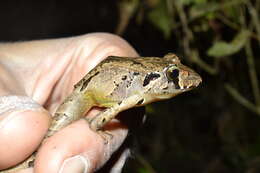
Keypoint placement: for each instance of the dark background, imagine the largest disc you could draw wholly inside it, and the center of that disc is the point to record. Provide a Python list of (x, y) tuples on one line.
[(210, 129), (28, 20)]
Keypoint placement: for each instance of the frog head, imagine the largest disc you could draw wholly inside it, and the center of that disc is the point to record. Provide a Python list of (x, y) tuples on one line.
[(169, 79)]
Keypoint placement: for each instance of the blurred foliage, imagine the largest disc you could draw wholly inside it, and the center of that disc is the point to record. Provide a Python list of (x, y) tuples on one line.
[(222, 40), (222, 48)]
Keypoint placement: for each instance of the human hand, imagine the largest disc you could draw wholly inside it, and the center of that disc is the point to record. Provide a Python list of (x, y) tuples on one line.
[(46, 71)]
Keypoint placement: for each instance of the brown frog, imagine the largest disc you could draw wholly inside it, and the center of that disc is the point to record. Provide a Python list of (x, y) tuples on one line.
[(117, 84)]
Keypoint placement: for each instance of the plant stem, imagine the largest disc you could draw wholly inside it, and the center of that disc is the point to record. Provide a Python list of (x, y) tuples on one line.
[(250, 56), (252, 73), (193, 54), (188, 35), (195, 58), (255, 18), (240, 99), (218, 7)]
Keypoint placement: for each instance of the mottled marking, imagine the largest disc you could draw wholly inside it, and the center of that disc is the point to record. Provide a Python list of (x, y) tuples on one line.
[(136, 73), (140, 102), (115, 59), (149, 77), (70, 99), (60, 116), (76, 85), (116, 84), (65, 115), (138, 63), (129, 83), (31, 164), (124, 77), (119, 103), (165, 88), (85, 83)]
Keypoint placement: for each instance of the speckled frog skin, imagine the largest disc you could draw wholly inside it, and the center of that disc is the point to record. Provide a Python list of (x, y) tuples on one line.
[(117, 84)]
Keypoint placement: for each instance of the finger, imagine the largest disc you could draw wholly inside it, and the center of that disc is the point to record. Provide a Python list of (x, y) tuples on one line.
[(85, 151), (23, 124)]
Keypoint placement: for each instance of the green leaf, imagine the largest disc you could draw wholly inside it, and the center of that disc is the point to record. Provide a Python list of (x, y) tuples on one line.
[(202, 9), (222, 48), (200, 1), (186, 2), (189, 2), (143, 170), (161, 19)]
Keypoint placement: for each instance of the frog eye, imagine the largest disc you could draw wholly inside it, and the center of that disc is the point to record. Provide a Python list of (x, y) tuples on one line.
[(172, 72)]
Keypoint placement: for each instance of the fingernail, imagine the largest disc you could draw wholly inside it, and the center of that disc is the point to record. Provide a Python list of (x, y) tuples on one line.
[(77, 164), (13, 102)]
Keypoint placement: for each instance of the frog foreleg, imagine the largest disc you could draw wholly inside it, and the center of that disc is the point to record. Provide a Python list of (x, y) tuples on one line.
[(98, 122)]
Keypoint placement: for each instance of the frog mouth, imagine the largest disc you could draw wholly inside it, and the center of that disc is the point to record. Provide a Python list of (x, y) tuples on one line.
[(189, 87), (190, 82)]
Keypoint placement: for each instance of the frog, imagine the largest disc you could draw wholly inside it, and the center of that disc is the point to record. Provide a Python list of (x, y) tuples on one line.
[(117, 84)]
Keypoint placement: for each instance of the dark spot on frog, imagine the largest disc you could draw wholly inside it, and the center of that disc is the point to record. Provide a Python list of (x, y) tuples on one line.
[(128, 84), (69, 99), (116, 84), (136, 73), (85, 82), (137, 63), (149, 77), (119, 103), (31, 164), (124, 77), (59, 116), (140, 102), (165, 88), (65, 115), (76, 85), (129, 81)]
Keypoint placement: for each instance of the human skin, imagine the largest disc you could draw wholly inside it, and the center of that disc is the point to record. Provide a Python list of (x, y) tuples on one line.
[(46, 71)]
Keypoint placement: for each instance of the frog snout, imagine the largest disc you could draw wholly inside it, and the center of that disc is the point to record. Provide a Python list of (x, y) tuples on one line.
[(189, 81), (195, 81)]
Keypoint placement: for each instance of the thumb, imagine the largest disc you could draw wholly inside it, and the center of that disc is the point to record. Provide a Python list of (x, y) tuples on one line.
[(23, 124)]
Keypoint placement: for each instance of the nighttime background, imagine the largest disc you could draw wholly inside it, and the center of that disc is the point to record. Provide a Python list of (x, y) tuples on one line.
[(212, 129)]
